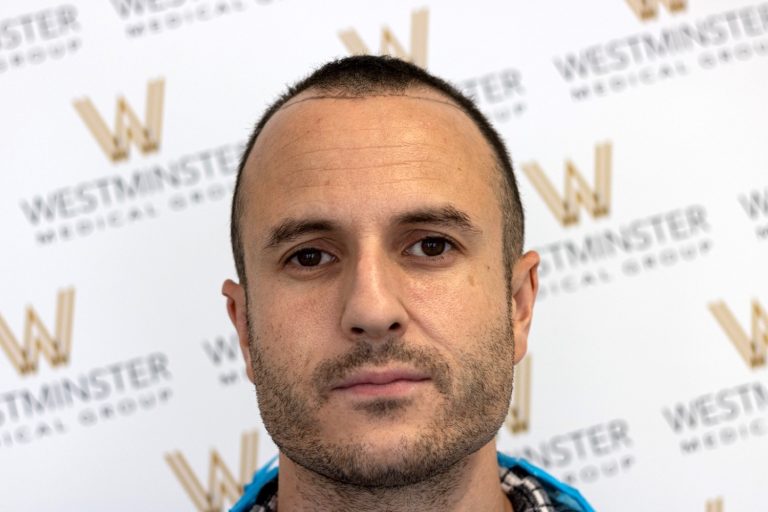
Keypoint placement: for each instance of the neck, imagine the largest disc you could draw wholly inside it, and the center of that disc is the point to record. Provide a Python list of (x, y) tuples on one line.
[(470, 484)]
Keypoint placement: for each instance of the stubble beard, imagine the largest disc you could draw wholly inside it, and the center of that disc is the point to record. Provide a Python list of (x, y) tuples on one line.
[(473, 407)]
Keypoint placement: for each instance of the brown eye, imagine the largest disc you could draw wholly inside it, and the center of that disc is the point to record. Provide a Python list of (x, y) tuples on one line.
[(430, 247), (308, 257), (433, 246)]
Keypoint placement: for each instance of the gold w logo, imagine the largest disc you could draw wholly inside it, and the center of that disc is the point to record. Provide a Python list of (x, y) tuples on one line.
[(577, 191), (715, 505), (128, 127), (222, 485), (518, 418), (38, 339), (751, 348), (389, 43), (647, 9)]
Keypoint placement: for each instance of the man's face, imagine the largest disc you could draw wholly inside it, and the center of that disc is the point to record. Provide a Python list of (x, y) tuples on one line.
[(379, 326)]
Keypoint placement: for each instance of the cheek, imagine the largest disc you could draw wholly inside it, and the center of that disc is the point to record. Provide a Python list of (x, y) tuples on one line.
[(459, 304), (292, 327)]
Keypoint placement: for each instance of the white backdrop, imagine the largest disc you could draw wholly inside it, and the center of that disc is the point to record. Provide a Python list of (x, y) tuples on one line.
[(638, 394)]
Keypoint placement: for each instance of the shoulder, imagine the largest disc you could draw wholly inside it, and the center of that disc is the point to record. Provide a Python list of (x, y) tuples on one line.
[(520, 479), (524, 481), (254, 493)]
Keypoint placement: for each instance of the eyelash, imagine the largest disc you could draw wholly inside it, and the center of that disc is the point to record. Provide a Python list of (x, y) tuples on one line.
[(295, 255), (451, 245)]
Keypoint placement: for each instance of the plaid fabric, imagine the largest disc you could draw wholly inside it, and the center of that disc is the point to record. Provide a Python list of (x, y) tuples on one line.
[(524, 491), (527, 494), (267, 500)]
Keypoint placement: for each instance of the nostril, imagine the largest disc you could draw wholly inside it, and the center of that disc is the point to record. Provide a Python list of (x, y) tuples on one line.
[(358, 330), (395, 326)]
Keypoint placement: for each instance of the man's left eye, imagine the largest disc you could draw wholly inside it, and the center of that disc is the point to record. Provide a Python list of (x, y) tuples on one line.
[(430, 247), (310, 257)]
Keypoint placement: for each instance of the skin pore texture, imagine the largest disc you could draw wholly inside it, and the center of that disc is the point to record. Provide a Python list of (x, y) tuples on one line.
[(372, 237)]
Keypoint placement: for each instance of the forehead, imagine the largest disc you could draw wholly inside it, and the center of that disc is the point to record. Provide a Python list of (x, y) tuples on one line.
[(355, 156)]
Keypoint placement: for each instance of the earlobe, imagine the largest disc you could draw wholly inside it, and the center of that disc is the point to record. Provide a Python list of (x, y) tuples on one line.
[(238, 315), (525, 285)]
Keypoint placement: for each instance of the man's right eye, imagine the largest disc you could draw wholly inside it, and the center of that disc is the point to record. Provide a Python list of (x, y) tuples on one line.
[(310, 258)]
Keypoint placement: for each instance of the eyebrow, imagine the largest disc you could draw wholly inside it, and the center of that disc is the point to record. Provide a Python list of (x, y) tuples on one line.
[(291, 229), (448, 216)]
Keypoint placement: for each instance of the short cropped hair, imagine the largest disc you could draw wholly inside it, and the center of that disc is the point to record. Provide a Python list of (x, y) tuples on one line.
[(363, 75)]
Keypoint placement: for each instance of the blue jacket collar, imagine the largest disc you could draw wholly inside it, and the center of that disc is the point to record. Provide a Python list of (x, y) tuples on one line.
[(561, 493)]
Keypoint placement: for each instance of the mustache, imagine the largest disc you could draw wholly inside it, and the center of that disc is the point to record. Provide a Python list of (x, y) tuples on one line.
[(392, 350)]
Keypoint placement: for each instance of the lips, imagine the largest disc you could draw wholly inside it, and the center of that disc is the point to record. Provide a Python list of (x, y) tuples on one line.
[(382, 378)]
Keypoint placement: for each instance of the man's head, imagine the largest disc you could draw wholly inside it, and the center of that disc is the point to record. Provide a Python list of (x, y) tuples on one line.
[(377, 231), (365, 76)]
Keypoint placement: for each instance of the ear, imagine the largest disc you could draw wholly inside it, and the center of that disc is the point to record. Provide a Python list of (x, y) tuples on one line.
[(525, 284), (236, 308)]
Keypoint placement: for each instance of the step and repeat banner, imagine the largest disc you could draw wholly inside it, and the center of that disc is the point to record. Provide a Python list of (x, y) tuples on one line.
[(638, 131)]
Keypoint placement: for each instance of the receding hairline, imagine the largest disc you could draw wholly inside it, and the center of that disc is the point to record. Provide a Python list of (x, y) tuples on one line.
[(343, 94), (316, 93)]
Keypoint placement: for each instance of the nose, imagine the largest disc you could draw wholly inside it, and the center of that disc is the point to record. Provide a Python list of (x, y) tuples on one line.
[(373, 307)]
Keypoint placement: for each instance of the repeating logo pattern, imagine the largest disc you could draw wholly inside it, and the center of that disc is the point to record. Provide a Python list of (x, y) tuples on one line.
[(223, 487), (31, 39), (669, 49), (597, 200), (752, 348), (37, 339), (128, 127), (519, 416), (715, 505), (649, 9), (390, 45)]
